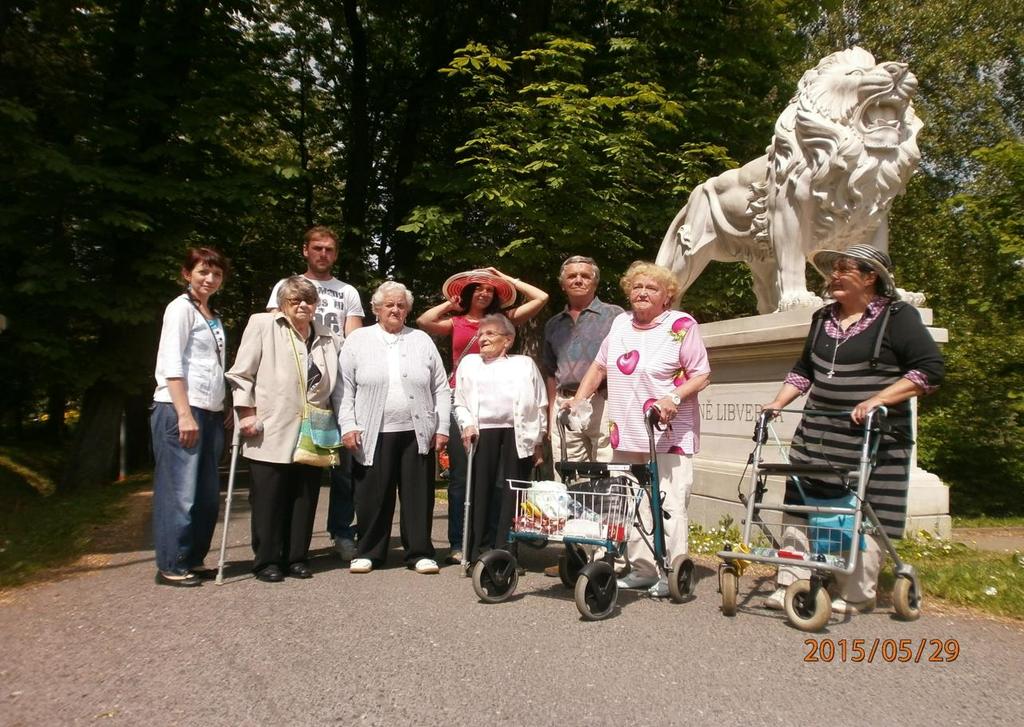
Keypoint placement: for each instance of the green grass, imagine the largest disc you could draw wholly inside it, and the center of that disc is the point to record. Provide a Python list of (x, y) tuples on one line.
[(951, 572), (956, 573), (43, 531)]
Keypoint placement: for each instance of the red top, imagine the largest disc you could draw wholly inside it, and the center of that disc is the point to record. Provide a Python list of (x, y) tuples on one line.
[(463, 331)]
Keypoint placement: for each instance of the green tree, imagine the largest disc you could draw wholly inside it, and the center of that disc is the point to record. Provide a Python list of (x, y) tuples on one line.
[(124, 116)]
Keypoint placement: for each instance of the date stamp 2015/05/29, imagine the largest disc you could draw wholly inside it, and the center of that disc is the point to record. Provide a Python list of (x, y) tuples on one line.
[(869, 651)]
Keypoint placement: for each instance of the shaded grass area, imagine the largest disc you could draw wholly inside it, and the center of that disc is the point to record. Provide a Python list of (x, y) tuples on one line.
[(951, 572), (43, 531)]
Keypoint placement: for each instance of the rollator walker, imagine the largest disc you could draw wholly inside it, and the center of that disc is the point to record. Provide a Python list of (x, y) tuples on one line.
[(593, 518), (829, 544)]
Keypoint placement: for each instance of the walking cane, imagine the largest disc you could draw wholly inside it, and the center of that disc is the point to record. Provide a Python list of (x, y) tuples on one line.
[(465, 507), (236, 444)]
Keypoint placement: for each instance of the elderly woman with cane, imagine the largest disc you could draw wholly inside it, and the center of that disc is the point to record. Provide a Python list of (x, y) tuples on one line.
[(394, 413), (187, 422), (863, 351), (286, 368), (653, 356), (469, 296), (501, 407)]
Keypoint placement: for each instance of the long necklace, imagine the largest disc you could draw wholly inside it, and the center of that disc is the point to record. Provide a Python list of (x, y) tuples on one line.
[(832, 370), (839, 342)]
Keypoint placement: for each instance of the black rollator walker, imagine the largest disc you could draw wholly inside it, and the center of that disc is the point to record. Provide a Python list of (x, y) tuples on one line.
[(832, 537), (593, 517)]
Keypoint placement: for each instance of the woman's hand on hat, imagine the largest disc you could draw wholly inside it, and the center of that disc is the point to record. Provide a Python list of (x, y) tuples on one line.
[(498, 274)]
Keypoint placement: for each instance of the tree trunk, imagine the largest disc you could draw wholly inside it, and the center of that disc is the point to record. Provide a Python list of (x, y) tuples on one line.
[(137, 445), (357, 177), (94, 457)]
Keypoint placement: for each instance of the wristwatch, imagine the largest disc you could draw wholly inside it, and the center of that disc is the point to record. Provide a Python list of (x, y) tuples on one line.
[(675, 398)]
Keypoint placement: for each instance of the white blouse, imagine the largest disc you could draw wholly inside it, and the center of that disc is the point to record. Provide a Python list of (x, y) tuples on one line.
[(191, 349)]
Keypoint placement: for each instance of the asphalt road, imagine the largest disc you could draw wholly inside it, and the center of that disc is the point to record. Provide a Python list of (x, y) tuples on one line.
[(394, 648)]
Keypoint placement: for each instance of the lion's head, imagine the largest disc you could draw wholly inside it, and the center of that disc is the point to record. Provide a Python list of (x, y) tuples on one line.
[(851, 126)]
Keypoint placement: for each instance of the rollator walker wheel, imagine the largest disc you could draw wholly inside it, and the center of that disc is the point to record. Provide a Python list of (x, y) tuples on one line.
[(729, 586), (682, 580), (905, 599), (597, 591), (495, 576), (570, 564), (805, 612)]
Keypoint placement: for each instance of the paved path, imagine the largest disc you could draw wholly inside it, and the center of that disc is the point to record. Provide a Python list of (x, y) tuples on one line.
[(396, 648), (1000, 540)]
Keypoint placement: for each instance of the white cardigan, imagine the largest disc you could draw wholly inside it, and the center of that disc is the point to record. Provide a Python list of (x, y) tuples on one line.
[(365, 380), (529, 412)]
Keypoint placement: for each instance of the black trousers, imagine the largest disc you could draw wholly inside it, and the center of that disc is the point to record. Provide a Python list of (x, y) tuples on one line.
[(495, 461), (398, 469), (283, 498)]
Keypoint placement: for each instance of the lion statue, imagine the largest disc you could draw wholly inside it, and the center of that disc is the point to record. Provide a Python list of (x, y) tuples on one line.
[(843, 149)]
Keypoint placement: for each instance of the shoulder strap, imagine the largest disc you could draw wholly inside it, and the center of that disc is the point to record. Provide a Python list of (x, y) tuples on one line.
[(894, 307), (298, 370)]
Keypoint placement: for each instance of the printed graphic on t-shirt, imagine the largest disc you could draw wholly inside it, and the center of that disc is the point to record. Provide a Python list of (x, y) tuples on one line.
[(337, 302)]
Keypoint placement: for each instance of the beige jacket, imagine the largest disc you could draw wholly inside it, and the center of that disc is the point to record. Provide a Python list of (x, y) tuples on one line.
[(265, 376)]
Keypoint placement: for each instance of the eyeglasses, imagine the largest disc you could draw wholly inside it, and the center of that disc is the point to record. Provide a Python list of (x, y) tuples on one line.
[(845, 268), (298, 301)]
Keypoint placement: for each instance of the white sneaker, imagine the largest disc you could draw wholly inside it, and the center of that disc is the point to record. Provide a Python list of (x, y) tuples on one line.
[(635, 580), (842, 606), (426, 566), (659, 589), (776, 601), (346, 548), (360, 565)]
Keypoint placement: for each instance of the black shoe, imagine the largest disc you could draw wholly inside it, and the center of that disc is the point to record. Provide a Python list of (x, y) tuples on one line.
[(299, 570), (205, 574), (270, 574), (180, 580)]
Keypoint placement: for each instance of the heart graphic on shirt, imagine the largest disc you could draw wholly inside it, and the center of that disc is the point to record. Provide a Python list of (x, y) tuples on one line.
[(613, 434), (679, 377), (648, 404), (676, 449), (627, 362)]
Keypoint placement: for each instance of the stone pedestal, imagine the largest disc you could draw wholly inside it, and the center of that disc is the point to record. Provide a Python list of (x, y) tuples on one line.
[(750, 357)]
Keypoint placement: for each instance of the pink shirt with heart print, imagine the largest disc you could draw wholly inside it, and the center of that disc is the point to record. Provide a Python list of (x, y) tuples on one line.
[(644, 365)]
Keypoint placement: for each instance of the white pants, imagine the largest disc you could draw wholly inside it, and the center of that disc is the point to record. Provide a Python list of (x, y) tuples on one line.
[(675, 473), (590, 445), (857, 587)]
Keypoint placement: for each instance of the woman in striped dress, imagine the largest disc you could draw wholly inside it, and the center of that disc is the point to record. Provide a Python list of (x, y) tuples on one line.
[(863, 351)]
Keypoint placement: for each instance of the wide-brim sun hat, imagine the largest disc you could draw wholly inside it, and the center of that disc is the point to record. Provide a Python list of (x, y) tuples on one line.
[(454, 285), (879, 261)]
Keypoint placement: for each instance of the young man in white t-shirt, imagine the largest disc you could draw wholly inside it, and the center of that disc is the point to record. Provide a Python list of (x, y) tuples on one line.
[(340, 310)]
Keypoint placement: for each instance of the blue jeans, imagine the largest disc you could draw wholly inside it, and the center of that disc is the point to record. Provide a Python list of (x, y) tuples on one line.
[(457, 462), (186, 487), (342, 510)]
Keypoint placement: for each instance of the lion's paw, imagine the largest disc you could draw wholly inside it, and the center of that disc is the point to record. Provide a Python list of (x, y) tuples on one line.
[(915, 299), (802, 299)]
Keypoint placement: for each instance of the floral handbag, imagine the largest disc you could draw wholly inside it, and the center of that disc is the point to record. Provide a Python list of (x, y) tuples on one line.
[(319, 438)]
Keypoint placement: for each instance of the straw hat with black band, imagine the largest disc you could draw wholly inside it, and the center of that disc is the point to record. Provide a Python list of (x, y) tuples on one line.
[(879, 262), (503, 289)]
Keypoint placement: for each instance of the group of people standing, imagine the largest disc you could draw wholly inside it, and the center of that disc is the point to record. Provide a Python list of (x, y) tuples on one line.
[(395, 403)]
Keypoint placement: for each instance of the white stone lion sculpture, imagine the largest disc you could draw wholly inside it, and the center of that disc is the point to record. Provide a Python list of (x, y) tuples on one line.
[(843, 149)]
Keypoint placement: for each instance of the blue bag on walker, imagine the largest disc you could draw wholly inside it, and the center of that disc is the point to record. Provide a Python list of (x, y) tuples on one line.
[(831, 532)]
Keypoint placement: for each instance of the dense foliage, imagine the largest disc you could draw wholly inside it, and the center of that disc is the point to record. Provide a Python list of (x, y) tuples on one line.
[(439, 135)]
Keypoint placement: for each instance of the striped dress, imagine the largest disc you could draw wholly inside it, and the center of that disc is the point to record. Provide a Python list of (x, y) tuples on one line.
[(906, 346)]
